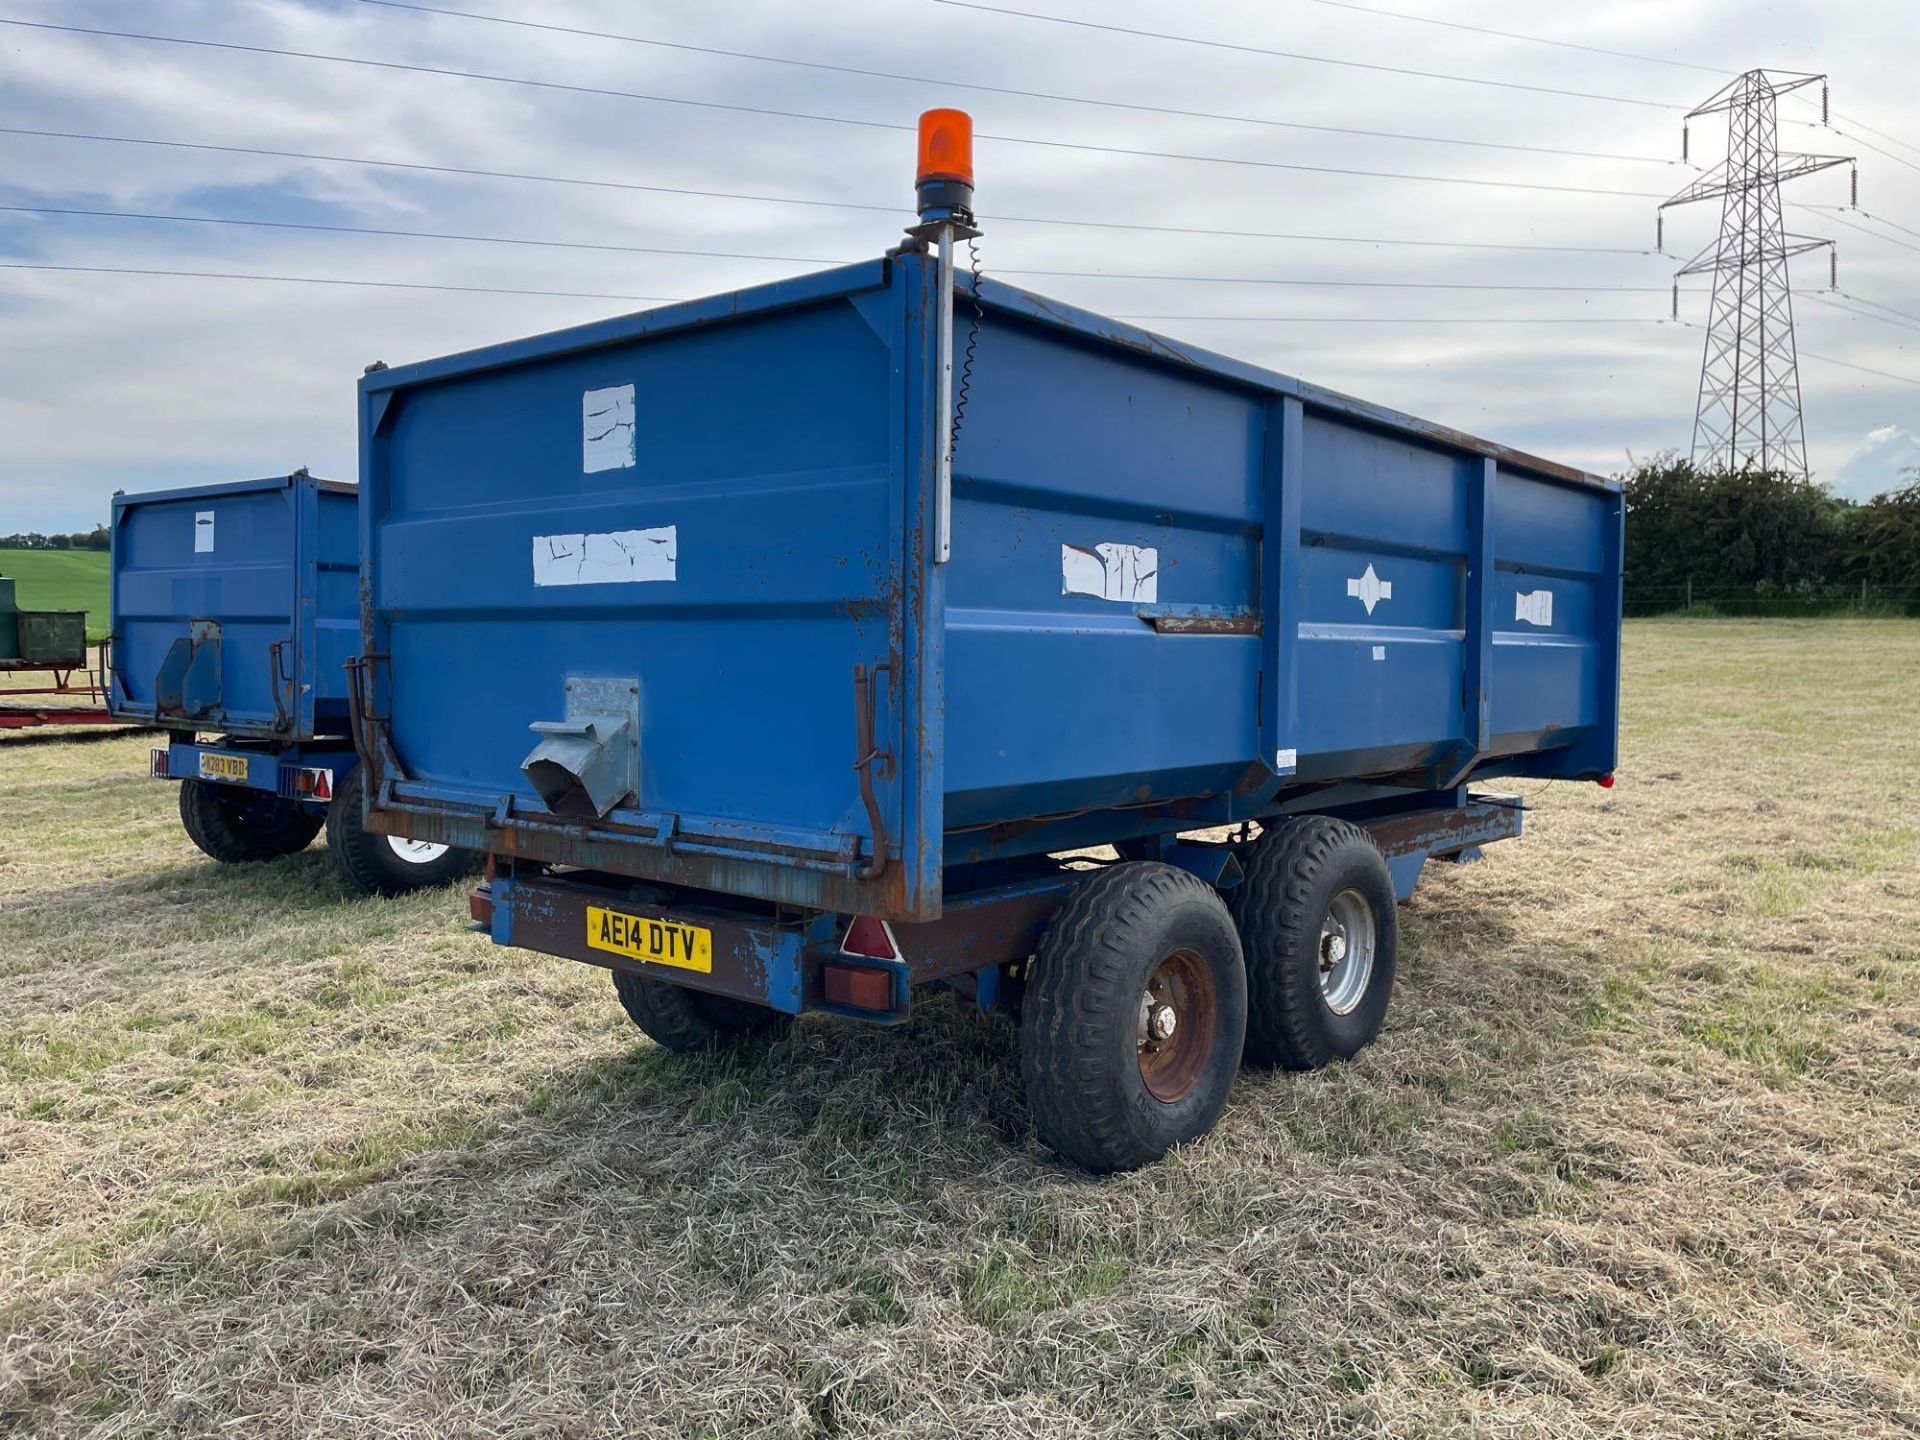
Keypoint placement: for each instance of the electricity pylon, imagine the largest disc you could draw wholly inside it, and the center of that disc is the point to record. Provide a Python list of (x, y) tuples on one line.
[(1748, 411)]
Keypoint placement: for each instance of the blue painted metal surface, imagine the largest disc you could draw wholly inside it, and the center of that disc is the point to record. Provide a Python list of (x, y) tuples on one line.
[(235, 607), (1183, 591), (278, 770)]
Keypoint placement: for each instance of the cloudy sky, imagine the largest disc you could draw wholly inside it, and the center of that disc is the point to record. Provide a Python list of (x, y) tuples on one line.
[(111, 380)]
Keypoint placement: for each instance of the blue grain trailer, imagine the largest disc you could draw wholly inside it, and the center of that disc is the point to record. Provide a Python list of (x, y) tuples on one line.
[(235, 611), (763, 690)]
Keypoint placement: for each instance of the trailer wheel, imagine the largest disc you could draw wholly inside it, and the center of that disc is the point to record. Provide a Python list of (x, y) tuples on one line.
[(688, 1020), (1320, 926), (1134, 1016), (375, 864), (236, 826)]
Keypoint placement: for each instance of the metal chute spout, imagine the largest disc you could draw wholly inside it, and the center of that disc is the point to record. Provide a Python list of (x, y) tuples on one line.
[(589, 762)]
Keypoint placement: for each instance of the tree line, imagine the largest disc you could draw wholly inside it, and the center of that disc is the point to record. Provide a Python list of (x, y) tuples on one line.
[(1770, 534), (94, 539)]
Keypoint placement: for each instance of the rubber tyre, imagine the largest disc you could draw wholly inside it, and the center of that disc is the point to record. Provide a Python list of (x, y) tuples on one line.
[(692, 1020), (369, 864), (237, 827), (1080, 1018), (1292, 876)]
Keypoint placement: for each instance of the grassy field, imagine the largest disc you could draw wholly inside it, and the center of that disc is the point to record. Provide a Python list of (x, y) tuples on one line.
[(62, 580), (1639, 1153)]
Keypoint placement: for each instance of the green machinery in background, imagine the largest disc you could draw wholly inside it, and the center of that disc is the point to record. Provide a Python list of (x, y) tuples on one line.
[(39, 638)]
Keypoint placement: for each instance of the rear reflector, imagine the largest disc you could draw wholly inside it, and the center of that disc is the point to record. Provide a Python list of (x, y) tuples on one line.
[(871, 938), (858, 987), (157, 764)]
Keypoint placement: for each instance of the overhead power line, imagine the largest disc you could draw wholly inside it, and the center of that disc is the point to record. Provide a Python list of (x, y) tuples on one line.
[(1848, 134), (1875, 304), (1861, 214), (1869, 145), (1852, 124), (1863, 230), (1413, 319), (879, 208), (385, 231), (1827, 359), (1833, 303), (1514, 35), (332, 280), (668, 299), (1890, 139), (949, 84), (1340, 284), (1839, 119), (1311, 59), (1326, 239), (154, 272), (468, 237), (735, 108)]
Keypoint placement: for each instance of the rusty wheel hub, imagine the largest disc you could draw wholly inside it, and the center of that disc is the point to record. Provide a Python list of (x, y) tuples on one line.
[(1179, 1018)]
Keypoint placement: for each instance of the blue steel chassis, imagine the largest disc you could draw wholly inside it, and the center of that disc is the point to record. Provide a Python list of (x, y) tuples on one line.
[(994, 915)]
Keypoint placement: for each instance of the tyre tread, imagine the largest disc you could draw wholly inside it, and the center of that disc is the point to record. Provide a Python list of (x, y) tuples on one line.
[(1273, 906), (365, 861), (685, 1020), (1081, 987), (210, 824)]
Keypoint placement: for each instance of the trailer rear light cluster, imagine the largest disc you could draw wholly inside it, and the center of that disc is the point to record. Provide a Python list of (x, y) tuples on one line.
[(1605, 782), (157, 763), (862, 987), (308, 782)]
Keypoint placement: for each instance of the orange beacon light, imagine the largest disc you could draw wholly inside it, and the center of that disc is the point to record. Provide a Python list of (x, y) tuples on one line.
[(944, 174), (946, 147)]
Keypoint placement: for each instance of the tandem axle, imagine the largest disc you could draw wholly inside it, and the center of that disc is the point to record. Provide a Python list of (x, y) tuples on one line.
[(791, 961)]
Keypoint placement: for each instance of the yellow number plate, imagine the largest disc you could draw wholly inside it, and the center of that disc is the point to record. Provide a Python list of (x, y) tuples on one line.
[(223, 767), (658, 942)]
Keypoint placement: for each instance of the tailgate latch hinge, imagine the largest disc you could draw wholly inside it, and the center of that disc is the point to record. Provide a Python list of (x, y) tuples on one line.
[(866, 681)]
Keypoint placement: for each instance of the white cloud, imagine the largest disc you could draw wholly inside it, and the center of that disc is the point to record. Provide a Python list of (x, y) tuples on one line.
[(1886, 460)]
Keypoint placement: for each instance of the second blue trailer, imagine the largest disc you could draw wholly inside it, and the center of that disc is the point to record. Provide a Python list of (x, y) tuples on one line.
[(235, 611)]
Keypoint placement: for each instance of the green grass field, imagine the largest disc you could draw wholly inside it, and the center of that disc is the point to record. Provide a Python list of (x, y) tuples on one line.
[(1638, 1153), (62, 580)]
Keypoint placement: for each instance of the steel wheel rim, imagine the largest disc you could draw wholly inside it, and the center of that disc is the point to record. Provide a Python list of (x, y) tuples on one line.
[(415, 852), (1348, 939), (1179, 1020)]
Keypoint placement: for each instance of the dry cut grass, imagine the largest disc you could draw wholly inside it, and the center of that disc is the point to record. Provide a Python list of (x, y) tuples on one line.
[(1638, 1155)]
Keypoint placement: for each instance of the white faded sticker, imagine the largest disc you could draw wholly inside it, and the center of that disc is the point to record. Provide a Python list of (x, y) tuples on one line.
[(203, 532), (1369, 589), (1286, 761), (1379, 652), (606, 429), (619, 557), (1534, 606), (1111, 572)]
